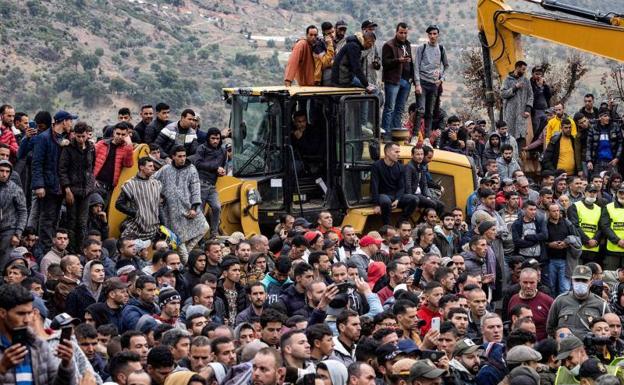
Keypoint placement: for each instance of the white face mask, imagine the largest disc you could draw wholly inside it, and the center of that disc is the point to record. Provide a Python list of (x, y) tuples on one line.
[(581, 289), (590, 200), (621, 200), (575, 370)]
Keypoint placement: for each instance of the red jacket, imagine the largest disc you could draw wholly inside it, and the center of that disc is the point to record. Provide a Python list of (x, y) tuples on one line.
[(425, 314), (123, 158), (7, 137)]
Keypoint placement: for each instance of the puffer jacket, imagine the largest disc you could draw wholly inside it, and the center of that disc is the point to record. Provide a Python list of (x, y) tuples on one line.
[(123, 158), (207, 160), (76, 169), (292, 300), (46, 155), (45, 366), (168, 139), (133, 311), (13, 212)]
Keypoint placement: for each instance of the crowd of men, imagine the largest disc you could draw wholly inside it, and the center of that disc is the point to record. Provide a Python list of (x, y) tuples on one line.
[(523, 283)]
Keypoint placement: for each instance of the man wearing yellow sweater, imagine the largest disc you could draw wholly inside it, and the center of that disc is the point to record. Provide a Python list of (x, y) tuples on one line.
[(554, 124)]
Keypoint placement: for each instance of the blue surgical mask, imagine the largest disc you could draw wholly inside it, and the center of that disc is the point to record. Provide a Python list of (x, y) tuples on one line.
[(580, 288)]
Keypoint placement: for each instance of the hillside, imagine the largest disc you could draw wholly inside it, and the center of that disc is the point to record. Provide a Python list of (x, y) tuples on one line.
[(94, 56)]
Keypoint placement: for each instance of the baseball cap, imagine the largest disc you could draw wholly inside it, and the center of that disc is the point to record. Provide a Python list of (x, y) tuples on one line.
[(367, 240), (20, 252), (582, 272), (163, 271), (486, 180), (64, 115), (446, 261), (312, 236), (567, 345), (522, 353), (141, 245), (465, 346), (62, 320), (235, 238), (468, 123), (113, 284), (424, 369), (407, 346), (402, 367), (386, 352), (591, 188), (340, 24), (302, 222), (368, 23), (507, 182), (532, 263), (592, 368), (603, 111)]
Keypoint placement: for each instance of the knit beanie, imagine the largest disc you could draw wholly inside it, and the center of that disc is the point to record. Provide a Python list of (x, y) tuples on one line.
[(485, 226), (167, 295)]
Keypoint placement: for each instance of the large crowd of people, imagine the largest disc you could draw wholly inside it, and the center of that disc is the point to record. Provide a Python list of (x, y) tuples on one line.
[(524, 285)]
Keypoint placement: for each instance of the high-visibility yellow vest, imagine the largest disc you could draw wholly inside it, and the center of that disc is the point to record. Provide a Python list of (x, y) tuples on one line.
[(588, 222), (617, 225)]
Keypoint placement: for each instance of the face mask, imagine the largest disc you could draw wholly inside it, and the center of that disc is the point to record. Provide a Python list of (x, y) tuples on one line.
[(621, 201), (590, 200), (580, 288), (575, 370)]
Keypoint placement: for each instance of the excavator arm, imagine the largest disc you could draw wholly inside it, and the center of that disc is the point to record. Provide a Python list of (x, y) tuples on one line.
[(500, 30)]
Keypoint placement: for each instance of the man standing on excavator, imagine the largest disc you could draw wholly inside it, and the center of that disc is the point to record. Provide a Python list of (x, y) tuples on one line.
[(517, 96)]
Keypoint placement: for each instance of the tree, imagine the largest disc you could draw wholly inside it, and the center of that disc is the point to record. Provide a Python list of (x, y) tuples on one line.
[(563, 78), (613, 82)]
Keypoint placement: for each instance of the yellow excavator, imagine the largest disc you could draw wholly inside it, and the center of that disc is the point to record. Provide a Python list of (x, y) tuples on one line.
[(501, 28)]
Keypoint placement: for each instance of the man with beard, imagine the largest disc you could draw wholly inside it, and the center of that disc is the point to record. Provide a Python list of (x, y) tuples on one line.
[(529, 295), (322, 266), (447, 239), (268, 368), (563, 151), (181, 190), (147, 115), (604, 144), (569, 304), (116, 294), (256, 296), (459, 319), (348, 244), (517, 95), (242, 251), (477, 301), (139, 199), (210, 160), (466, 362), (349, 329), (431, 306), (506, 164), (295, 348), (141, 304)]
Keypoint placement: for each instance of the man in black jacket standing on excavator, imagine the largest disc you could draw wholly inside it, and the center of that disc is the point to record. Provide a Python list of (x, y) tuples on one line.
[(210, 162)]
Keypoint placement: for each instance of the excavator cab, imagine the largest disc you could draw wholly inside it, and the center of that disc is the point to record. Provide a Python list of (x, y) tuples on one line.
[(306, 149)]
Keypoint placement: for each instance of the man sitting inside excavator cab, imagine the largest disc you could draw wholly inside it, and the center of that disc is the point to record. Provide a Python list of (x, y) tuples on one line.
[(306, 143)]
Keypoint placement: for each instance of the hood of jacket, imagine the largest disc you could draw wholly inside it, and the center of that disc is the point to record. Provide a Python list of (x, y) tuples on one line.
[(358, 37), (99, 313), (525, 371), (179, 378), (337, 372), (95, 199), (86, 280)]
